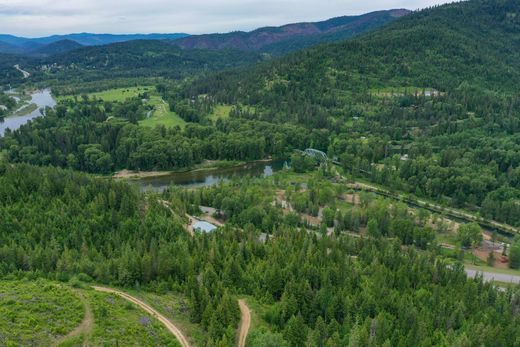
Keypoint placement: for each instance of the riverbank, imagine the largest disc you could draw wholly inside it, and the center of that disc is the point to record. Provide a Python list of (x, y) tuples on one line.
[(208, 165)]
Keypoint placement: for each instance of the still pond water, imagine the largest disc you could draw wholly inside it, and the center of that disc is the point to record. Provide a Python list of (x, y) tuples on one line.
[(193, 179)]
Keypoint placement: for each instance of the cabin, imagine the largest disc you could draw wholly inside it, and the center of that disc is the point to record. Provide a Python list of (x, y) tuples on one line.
[(204, 227)]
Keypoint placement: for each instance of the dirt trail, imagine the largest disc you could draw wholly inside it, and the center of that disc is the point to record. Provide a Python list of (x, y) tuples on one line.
[(169, 325), (245, 323), (85, 326)]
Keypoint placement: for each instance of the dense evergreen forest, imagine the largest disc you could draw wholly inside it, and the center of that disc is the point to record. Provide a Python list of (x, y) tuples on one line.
[(131, 59), (451, 138), (426, 106), (437, 86), (326, 291), (100, 137)]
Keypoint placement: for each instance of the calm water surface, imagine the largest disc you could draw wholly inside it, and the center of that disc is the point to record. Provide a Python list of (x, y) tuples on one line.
[(194, 179), (42, 98)]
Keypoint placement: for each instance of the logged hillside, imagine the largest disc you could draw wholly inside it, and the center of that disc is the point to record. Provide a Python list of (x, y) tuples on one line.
[(292, 37), (476, 42)]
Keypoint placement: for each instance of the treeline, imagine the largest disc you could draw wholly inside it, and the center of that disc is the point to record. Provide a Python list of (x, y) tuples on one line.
[(322, 291), (7, 103), (93, 136)]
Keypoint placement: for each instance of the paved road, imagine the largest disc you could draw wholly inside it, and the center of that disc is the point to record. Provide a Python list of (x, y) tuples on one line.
[(492, 276), (245, 323), (169, 325), (25, 73)]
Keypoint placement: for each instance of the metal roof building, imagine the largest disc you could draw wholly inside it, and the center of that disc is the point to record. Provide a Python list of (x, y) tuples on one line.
[(204, 227)]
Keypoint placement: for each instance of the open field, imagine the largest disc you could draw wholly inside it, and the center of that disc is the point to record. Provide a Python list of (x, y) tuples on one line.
[(220, 111), (161, 114), (36, 313), (121, 94), (174, 307), (45, 313)]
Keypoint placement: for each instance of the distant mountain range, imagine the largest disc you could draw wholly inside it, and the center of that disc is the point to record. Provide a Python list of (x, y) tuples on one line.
[(291, 37), (57, 44), (273, 40)]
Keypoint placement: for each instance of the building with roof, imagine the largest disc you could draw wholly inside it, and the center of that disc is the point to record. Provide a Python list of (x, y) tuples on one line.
[(204, 227)]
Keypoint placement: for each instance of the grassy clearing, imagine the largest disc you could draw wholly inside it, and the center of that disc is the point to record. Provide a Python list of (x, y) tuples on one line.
[(162, 115), (220, 111), (36, 313), (117, 94), (121, 94), (174, 307), (45, 313), (118, 322)]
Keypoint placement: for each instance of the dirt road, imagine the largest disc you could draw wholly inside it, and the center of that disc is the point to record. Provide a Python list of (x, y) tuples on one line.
[(86, 325), (245, 323), (169, 325)]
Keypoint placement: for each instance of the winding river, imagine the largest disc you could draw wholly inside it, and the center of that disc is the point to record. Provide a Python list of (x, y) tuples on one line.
[(42, 99)]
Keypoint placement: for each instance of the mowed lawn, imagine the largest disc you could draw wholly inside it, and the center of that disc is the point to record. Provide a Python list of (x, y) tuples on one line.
[(162, 115), (121, 94)]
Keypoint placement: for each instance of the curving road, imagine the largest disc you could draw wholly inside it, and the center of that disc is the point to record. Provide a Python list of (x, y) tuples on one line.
[(169, 325), (245, 323), (494, 276), (24, 73)]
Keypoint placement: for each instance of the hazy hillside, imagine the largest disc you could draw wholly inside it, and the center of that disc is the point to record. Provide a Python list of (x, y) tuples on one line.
[(139, 58), (57, 47), (293, 36), (86, 39)]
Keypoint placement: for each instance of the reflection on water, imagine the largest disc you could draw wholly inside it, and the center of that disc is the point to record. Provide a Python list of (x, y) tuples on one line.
[(42, 98), (194, 179)]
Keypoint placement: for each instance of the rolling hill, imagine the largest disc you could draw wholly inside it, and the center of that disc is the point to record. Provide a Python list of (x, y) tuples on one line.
[(279, 40), (56, 44), (139, 58), (86, 39), (57, 47)]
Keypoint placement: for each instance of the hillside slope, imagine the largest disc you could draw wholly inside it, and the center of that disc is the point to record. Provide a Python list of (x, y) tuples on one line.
[(475, 42), (57, 47), (140, 58), (290, 37)]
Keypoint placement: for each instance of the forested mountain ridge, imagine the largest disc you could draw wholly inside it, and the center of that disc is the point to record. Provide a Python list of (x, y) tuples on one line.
[(57, 47), (474, 41), (139, 58), (437, 87), (291, 37), (24, 45)]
